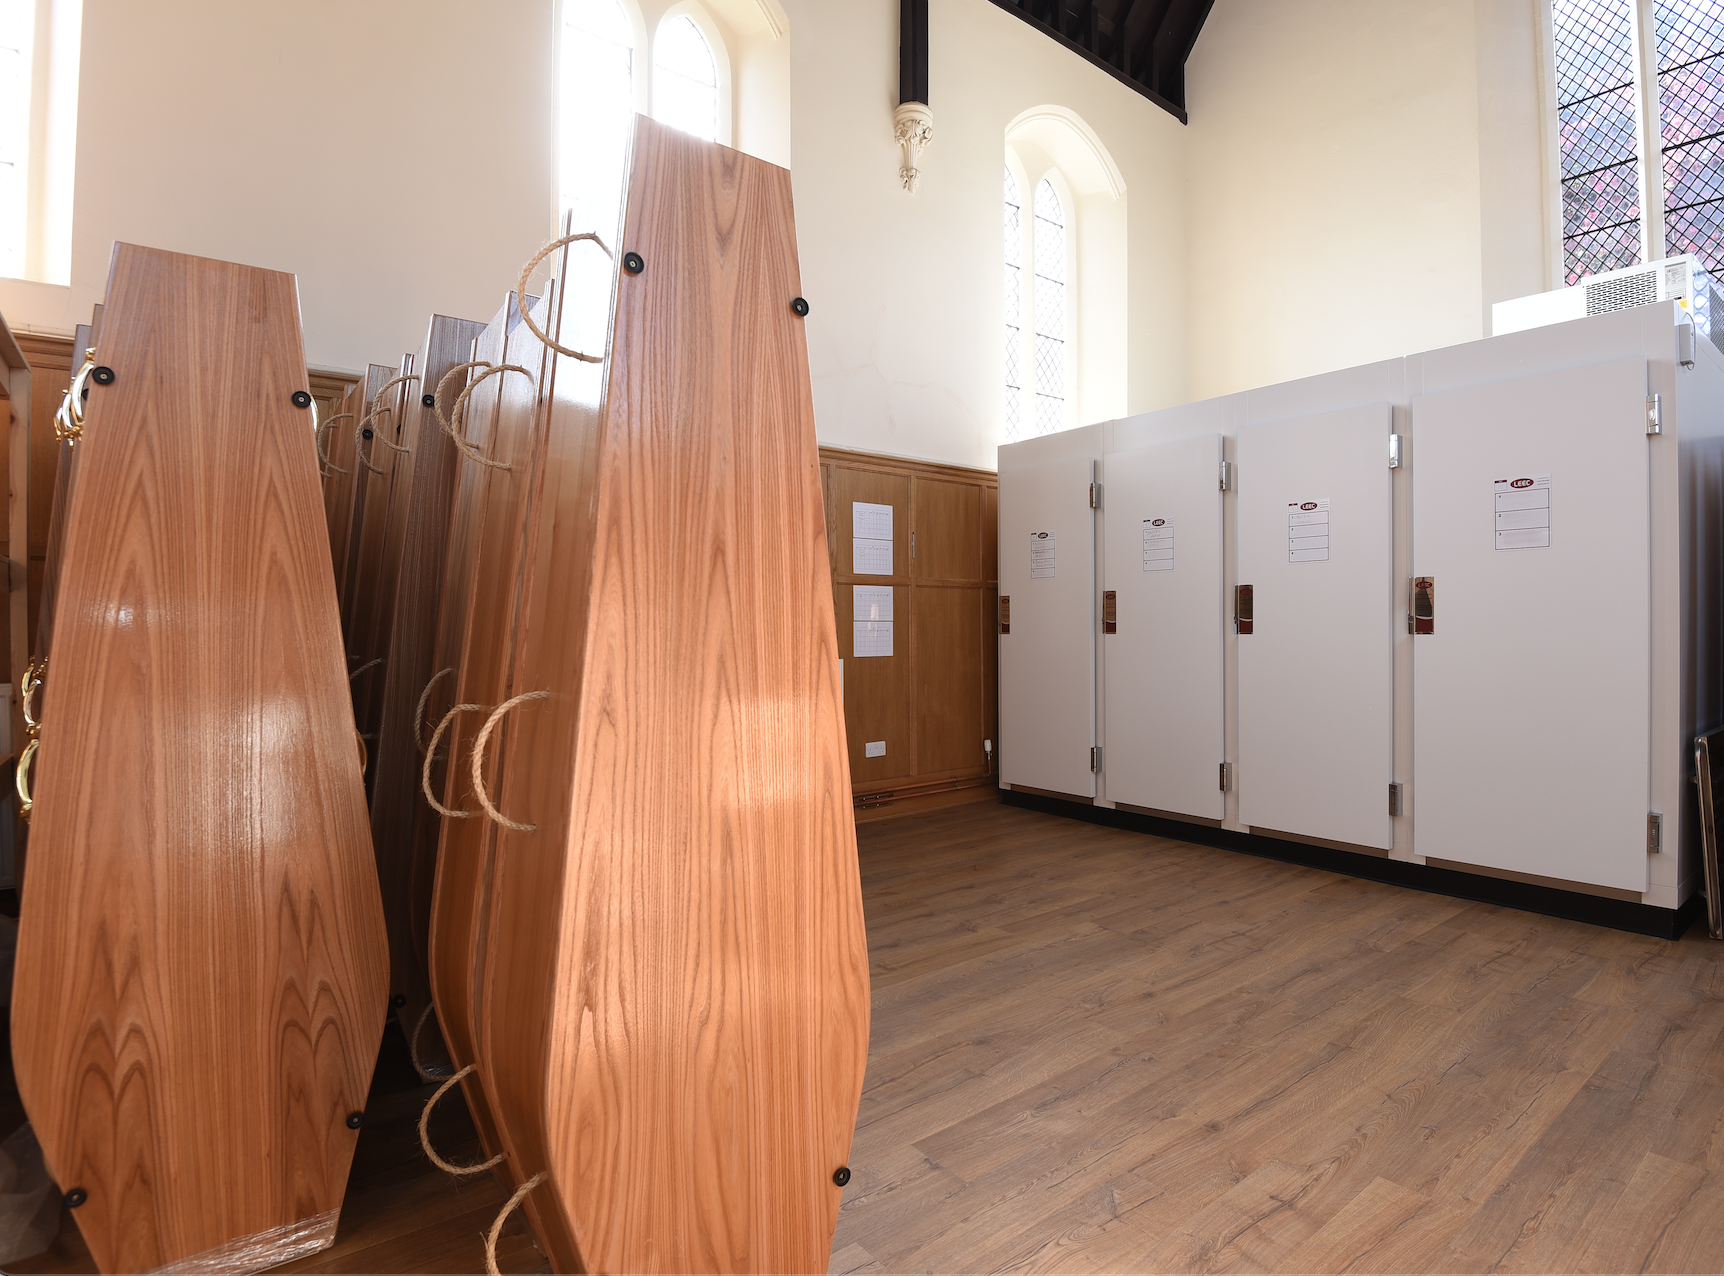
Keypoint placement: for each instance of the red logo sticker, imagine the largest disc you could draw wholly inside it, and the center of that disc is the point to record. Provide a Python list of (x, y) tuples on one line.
[(1160, 522), (1521, 483), (1309, 505)]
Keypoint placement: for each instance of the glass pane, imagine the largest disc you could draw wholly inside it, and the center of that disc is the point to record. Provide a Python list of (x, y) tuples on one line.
[(1690, 36), (1050, 303), (685, 79), (1599, 140), (17, 22), (1014, 254), (595, 107)]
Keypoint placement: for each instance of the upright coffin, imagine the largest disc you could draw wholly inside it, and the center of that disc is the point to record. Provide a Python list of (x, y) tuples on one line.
[(201, 975), (675, 1014)]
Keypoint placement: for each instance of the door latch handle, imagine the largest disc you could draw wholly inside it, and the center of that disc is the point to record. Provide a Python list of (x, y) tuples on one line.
[(1242, 609), (1421, 606)]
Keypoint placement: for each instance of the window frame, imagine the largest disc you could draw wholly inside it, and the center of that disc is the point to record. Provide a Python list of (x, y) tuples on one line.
[(703, 21), (1043, 168)]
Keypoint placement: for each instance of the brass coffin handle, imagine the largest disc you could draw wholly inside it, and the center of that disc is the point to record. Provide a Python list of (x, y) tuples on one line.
[(21, 779), (69, 418), (32, 680), (364, 753)]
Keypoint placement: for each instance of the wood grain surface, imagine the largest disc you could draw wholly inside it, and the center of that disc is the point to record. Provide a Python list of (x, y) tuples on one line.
[(338, 487), (417, 554), (366, 522), (676, 988), (481, 594), (201, 973)]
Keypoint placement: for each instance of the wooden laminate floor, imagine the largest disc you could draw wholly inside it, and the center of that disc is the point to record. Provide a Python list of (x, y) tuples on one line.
[(1095, 1051)]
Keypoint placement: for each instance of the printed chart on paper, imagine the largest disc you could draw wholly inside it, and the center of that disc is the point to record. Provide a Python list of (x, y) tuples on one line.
[(870, 539), (872, 617), (1523, 512), (1308, 531), (1044, 558), (1158, 544)]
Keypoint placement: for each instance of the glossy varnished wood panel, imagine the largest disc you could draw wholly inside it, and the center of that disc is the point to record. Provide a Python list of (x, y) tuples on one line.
[(201, 974), (380, 546), (950, 726), (423, 509), (366, 523), (500, 421), (676, 1001), (339, 481)]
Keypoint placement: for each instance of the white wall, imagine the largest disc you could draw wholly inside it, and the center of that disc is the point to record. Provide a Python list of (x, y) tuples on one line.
[(1367, 176)]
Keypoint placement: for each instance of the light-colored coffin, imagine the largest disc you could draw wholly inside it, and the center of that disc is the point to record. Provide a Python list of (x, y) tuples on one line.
[(675, 1008), (201, 977)]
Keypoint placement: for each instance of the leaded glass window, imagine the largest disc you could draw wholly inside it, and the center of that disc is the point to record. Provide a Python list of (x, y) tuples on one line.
[(17, 21), (1014, 245), (1691, 107), (1050, 305), (685, 79), (595, 109), (1599, 138)]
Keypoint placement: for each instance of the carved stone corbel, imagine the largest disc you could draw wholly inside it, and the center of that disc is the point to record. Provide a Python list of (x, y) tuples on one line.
[(913, 129)]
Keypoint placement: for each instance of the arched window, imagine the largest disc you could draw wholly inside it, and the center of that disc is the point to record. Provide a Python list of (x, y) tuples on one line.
[(596, 103), (1050, 250), (685, 79), (1014, 246)]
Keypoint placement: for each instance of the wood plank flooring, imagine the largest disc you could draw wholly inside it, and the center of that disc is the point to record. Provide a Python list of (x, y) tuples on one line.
[(1095, 1051)]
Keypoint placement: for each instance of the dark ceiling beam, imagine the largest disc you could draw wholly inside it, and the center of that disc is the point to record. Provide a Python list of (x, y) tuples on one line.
[(1136, 31), (913, 51), (1173, 45)]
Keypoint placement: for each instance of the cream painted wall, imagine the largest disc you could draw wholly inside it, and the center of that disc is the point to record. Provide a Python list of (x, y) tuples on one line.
[(1367, 176), (906, 334)]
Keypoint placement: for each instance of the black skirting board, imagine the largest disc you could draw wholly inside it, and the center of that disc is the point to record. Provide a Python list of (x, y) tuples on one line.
[(1641, 919)]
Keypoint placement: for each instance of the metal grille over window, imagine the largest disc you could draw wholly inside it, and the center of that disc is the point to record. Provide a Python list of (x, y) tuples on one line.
[(1596, 102), (17, 19), (1050, 250), (1691, 109), (1014, 233), (685, 79)]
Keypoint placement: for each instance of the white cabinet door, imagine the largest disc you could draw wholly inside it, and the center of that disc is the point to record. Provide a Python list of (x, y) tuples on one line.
[(1532, 693), (1047, 661), (1163, 664), (1316, 675)]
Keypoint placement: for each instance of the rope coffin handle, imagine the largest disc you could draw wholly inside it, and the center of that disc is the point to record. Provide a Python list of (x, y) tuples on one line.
[(425, 1138), (497, 1227), (431, 755), (359, 445), (378, 406), (521, 291), (369, 664), (479, 759), (442, 394), (457, 415), (425, 1074), (419, 710), (322, 455)]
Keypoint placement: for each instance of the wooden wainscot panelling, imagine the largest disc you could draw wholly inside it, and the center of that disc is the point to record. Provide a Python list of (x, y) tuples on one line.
[(916, 720), (202, 968)]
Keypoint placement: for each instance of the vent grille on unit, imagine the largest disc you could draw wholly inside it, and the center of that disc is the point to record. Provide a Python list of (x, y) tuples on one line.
[(1621, 293)]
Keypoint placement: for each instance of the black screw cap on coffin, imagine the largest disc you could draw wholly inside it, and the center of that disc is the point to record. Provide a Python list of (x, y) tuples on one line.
[(76, 1197), (841, 1175), (634, 263), (397, 1001), (104, 375), (300, 398), (428, 400), (355, 1120), (368, 433), (799, 306)]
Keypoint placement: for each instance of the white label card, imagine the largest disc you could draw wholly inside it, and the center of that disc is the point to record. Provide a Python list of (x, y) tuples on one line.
[(1158, 544), (870, 539), (1308, 531), (1523, 512), (1043, 556)]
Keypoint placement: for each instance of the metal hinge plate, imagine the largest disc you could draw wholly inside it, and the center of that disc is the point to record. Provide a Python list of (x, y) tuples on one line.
[(1226, 477), (1654, 833), (1654, 415), (1394, 799), (1095, 496), (1394, 451), (1095, 759), (1226, 776)]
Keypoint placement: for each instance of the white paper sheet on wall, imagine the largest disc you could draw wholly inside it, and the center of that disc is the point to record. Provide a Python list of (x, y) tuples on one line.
[(1308, 531), (872, 638), (1044, 556), (1158, 544), (871, 612), (870, 539), (1523, 512)]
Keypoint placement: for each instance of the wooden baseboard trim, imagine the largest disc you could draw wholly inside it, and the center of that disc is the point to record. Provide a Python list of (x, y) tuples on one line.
[(1616, 914)]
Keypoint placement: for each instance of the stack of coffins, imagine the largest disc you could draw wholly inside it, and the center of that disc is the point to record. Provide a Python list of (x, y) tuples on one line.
[(201, 971), (648, 937)]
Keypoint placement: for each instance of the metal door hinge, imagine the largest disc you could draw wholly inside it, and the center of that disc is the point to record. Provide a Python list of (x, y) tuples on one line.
[(1227, 476), (1422, 605), (1685, 344), (1654, 833), (1110, 612), (1095, 759), (1226, 776), (1394, 799), (1095, 496), (1654, 415), (1005, 613), (1394, 451), (1243, 607)]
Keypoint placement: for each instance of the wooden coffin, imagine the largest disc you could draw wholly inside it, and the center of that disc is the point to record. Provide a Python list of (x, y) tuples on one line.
[(339, 478), (417, 539), (476, 628), (202, 969), (372, 468), (675, 1003)]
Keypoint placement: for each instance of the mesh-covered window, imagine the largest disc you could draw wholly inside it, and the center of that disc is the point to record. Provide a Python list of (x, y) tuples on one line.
[(1691, 107), (1014, 246), (1050, 297), (685, 79), (17, 23), (1596, 105), (595, 108)]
